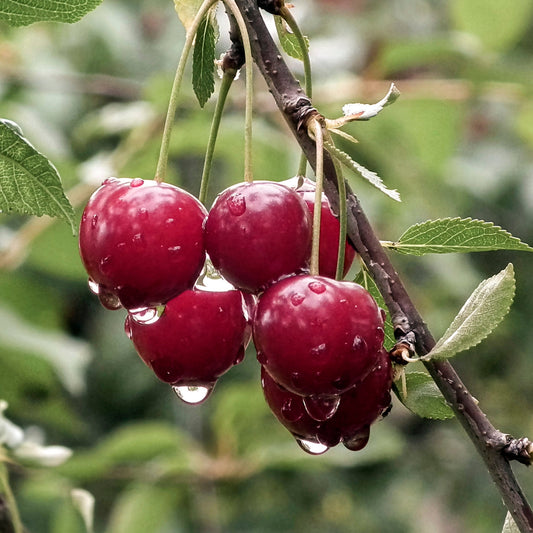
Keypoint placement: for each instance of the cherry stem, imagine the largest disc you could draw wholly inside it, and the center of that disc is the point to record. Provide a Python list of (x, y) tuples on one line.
[(249, 63), (316, 129), (286, 14), (162, 162), (227, 80), (9, 514)]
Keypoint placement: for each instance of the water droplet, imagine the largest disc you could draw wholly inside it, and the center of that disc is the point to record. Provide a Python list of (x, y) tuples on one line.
[(145, 315), (193, 394), (262, 358), (240, 356), (297, 298), (174, 250), (94, 221), (93, 286), (169, 221), (137, 239), (127, 327), (318, 350), (236, 204), (359, 344), (108, 181), (340, 383), (321, 408), (109, 299), (291, 411), (317, 287), (143, 212), (136, 182), (311, 447), (296, 379), (343, 301), (357, 441), (211, 280)]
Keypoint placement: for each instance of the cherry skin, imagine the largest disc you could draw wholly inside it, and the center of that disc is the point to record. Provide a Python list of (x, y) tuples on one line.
[(329, 230), (141, 242), (257, 233), (316, 336), (200, 336)]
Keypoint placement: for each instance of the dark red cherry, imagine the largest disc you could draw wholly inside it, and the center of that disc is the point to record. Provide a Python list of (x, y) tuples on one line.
[(329, 229), (317, 336), (257, 233), (141, 242), (199, 336)]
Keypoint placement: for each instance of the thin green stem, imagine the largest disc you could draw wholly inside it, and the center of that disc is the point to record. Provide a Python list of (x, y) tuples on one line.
[(9, 498), (227, 80), (162, 162), (316, 129), (286, 14), (341, 184), (249, 63)]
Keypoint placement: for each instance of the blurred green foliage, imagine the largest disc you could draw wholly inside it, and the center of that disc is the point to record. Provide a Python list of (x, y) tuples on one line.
[(459, 142)]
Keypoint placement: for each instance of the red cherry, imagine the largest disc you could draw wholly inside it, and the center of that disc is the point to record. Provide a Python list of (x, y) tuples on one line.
[(257, 233), (317, 336), (141, 242), (329, 230), (199, 336)]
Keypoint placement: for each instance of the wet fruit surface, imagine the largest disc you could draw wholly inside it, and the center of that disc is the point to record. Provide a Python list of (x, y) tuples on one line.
[(141, 242), (317, 336), (256, 233)]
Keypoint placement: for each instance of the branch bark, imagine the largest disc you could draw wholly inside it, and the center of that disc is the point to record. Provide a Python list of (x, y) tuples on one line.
[(495, 447)]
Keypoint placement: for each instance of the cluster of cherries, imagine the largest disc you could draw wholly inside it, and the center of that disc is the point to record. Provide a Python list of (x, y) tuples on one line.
[(199, 285)]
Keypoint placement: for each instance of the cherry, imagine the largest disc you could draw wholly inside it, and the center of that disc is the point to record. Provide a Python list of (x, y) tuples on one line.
[(359, 407), (316, 336), (141, 242), (199, 336), (257, 233), (329, 229)]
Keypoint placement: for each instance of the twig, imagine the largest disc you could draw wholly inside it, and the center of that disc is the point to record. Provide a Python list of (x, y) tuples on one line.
[(492, 445)]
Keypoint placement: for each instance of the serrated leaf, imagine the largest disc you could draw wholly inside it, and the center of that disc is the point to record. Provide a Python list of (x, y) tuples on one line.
[(203, 69), (449, 235), (288, 40), (479, 316), (24, 12), (509, 526), (29, 183), (364, 279), (422, 396), (187, 10), (369, 175)]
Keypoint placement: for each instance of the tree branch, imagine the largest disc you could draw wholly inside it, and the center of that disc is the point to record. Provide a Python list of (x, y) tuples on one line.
[(495, 447)]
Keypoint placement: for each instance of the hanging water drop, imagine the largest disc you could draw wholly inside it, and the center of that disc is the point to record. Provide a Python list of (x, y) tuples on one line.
[(145, 315), (210, 279), (109, 299), (358, 440), (192, 394), (321, 408), (312, 447), (236, 204), (93, 286)]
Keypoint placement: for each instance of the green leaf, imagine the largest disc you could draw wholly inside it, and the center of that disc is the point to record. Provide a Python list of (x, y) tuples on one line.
[(369, 175), (24, 12), (364, 279), (422, 396), (479, 316), (203, 66), (509, 526), (288, 40), (450, 235), (187, 10), (29, 183), (492, 22)]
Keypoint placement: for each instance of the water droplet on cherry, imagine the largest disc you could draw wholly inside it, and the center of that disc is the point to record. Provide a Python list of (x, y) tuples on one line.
[(291, 411), (93, 286), (236, 204), (321, 408), (127, 327), (358, 344), (262, 358), (240, 356), (317, 287), (136, 182), (192, 394), (211, 280), (297, 299), (311, 447), (357, 441), (318, 350), (109, 299), (145, 315), (94, 221)]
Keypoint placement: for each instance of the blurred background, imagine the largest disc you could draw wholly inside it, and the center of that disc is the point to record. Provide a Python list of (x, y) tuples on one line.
[(459, 142)]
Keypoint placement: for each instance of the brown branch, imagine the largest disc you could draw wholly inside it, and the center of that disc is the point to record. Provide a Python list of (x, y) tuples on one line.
[(495, 447)]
